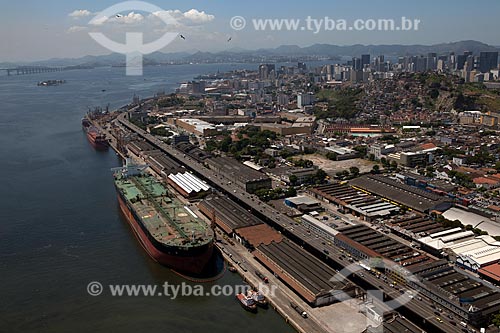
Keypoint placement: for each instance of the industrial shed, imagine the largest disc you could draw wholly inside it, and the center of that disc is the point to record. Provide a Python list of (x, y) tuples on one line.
[(308, 276), (188, 184)]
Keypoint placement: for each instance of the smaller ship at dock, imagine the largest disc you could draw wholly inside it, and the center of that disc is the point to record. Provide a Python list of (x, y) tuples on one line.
[(97, 139), (247, 302), (258, 298)]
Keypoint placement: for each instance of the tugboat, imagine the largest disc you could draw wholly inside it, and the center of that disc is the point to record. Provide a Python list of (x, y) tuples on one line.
[(232, 269), (258, 298), (247, 302)]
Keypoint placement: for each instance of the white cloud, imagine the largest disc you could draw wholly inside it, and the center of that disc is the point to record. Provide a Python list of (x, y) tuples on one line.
[(196, 16), (76, 28), (191, 17), (80, 13), (99, 20), (130, 18)]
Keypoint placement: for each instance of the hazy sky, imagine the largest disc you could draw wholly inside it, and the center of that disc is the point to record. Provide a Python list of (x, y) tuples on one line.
[(36, 30)]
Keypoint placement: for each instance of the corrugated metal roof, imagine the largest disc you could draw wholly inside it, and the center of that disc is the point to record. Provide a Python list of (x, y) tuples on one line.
[(188, 182)]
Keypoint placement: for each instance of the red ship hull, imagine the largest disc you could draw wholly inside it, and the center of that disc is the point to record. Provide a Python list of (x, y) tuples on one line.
[(193, 264), (96, 139), (97, 143)]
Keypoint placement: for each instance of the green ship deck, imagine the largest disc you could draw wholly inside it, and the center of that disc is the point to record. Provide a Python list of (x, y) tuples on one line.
[(162, 214)]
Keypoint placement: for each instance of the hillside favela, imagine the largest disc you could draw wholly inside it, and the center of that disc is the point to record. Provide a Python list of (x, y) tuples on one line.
[(321, 167)]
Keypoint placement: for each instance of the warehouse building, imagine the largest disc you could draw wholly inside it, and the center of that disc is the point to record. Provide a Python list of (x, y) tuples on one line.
[(477, 219), (355, 201), (256, 235), (414, 227), (141, 148), (193, 151), (473, 254), (406, 195), (196, 126), (319, 227), (437, 242), (490, 273), (247, 178), (285, 129), (308, 276), (303, 203), (365, 243), (226, 214), (465, 296), (188, 184), (163, 165)]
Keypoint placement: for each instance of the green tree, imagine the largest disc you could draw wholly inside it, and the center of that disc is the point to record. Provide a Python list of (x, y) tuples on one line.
[(320, 176), (362, 150), (290, 192), (495, 320), (210, 145), (331, 156), (354, 171)]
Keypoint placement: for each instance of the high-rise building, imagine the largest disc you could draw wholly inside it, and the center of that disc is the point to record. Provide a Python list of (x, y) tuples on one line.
[(421, 64), (356, 76), (365, 60), (266, 71), (282, 99), (304, 99), (431, 61), (488, 61), (328, 70), (460, 62), (356, 63), (440, 65), (469, 63)]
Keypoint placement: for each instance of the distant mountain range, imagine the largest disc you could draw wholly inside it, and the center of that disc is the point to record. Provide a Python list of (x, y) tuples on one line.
[(281, 53)]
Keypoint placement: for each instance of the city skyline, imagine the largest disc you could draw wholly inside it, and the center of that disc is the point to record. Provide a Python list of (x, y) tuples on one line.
[(60, 29)]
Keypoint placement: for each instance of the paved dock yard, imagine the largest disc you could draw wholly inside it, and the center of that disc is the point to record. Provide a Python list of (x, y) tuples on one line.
[(293, 230)]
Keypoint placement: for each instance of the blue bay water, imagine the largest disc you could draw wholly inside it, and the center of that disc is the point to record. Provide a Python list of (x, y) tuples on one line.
[(60, 226)]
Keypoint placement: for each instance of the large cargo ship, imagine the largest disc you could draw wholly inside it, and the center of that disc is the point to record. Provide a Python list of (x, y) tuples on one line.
[(96, 138), (169, 233)]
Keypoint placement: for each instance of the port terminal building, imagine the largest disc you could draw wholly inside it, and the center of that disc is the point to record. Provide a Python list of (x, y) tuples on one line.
[(316, 282), (355, 201), (247, 178), (397, 192), (188, 185)]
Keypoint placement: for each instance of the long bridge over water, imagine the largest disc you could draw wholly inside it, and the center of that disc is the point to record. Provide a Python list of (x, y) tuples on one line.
[(25, 70)]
